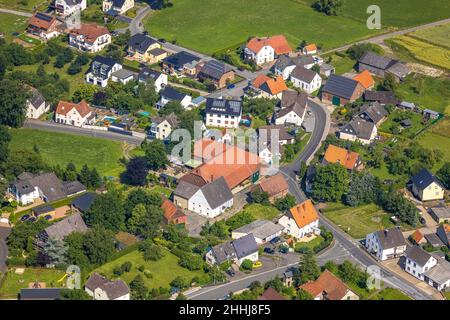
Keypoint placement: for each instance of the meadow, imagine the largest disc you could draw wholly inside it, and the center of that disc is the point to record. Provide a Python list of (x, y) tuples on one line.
[(10, 23), (439, 35)]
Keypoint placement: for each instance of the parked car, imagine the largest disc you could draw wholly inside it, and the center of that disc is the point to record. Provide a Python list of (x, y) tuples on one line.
[(231, 86), (48, 217), (25, 217), (162, 40), (423, 221), (269, 250), (231, 272), (275, 240), (257, 264)]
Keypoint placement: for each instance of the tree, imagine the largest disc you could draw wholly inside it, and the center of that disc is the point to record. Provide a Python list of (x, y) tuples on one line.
[(70, 174), (145, 220), (394, 202), (143, 196), (218, 229), (3, 66), (155, 155), (74, 294), (240, 219), (285, 203), (19, 161), (85, 175), (331, 182), (136, 172), (389, 83), (138, 289), (191, 261), (95, 180), (84, 91), (363, 189), (302, 169), (98, 244), (180, 283), (5, 138), (247, 264), (444, 174), (316, 68), (13, 103), (75, 251), (56, 250), (172, 106), (308, 268), (260, 107), (107, 210), (356, 51), (329, 7), (150, 251), (260, 196)]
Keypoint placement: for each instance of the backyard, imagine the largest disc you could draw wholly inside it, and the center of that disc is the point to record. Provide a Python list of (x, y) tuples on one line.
[(10, 24), (25, 5), (162, 271), (62, 148), (259, 211)]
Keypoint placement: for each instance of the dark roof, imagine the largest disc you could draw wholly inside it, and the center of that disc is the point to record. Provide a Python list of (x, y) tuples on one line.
[(185, 189), (42, 210), (141, 42), (52, 188), (172, 94), (285, 61), (283, 133), (157, 51), (40, 294), (424, 178), (360, 128), (434, 240), (84, 202), (377, 61), (245, 246), (101, 66), (223, 106), (95, 281), (117, 3), (224, 252), (390, 238), (73, 187), (303, 74), (215, 69), (59, 230), (417, 254), (115, 289), (374, 111), (36, 99), (441, 212), (217, 193), (383, 97), (340, 86), (180, 59), (147, 73), (271, 294)]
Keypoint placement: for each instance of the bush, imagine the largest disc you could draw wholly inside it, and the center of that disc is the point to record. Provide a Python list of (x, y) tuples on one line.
[(117, 271), (247, 264), (150, 251), (148, 274), (191, 261), (126, 266)]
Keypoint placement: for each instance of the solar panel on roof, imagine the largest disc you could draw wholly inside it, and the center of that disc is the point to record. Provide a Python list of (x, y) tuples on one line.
[(43, 17)]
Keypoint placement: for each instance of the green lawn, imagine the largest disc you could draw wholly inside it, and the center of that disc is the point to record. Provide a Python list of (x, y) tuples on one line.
[(359, 221), (437, 35), (188, 21), (10, 23), (163, 271), (342, 64), (390, 124), (162, 190), (27, 5), (311, 244), (62, 148), (390, 294), (259, 211), (13, 282), (433, 140)]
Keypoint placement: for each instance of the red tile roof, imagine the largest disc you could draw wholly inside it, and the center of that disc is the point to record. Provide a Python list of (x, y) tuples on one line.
[(346, 158), (278, 43), (328, 283), (310, 47), (44, 24), (365, 78), (271, 295), (274, 185), (417, 236), (304, 213), (65, 107), (273, 86), (171, 211), (90, 31), (207, 149)]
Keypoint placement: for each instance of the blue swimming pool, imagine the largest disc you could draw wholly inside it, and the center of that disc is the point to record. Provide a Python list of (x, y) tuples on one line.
[(109, 119), (144, 113)]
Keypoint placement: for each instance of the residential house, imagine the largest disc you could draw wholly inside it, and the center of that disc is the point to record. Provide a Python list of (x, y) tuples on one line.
[(306, 80), (74, 114), (181, 63), (143, 48), (43, 211), (340, 90), (236, 251), (262, 230), (207, 148), (271, 295), (443, 232), (365, 79), (46, 186), (172, 214), (101, 70), (439, 276), (440, 214), (418, 261), (382, 97), (123, 76), (44, 26), (271, 141), (276, 187), (264, 50), (83, 203), (218, 72), (292, 109), (223, 113), (266, 87), (170, 94), (386, 244), (301, 220), (431, 114), (310, 49), (184, 192), (286, 64), (158, 79), (68, 7), (359, 130), (36, 105), (117, 7), (417, 237), (348, 159), (326, 70), (426, 187), (89, 37), (373, 112), (100, 288), (382, 66), (434, 240), (329, 287), (162, 127)]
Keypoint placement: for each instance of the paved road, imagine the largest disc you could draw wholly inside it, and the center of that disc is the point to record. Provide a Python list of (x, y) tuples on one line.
[(52, 126), (4, 232), (17, 13)]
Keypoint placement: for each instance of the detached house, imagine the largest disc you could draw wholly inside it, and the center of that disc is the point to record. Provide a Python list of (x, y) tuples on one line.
[(218, 72), (74, 114), (36, 105), (348, 159), (306, 80), (276, 187), (159, 79), (68, 7), (301, 220), (418, 262), (162, 127), (373, 112), (266, 87), (100, 288), (172, 214), (292, 108), (223, 113), (382, 66), (310, 49), (340, 90), (90, 38), (285, 64), (44, 26), (426, 186), (262, 230), (181, 63), (101, 70), (117, 7), (382, 97), (386, 244), (171, 94), (443, 232), (142, 48), (359, 130), (264, 50), (235, 251), (329, 287)]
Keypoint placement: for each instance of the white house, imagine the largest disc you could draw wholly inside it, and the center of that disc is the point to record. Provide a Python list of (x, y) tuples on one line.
[(171, 94), (285, 64), (223, 113), (427, 187), (123, 76), (359, 130), (236, 251), (74, 114), (271, 156), (68, 7), (386, 244), (100, 288), (36, 105), (418, 262), (264, 50), (293, 109), (306, 80), (212, 199), (117, 7), (101, 70), (310, 49), (161, 128), (89, 37), (301, 220), (266, 87), (262, 230)]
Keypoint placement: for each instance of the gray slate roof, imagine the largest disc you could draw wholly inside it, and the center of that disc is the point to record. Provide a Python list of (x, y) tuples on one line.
[(424, 178), (374, 111), (418, 255), (115, 289), (36, 99), (217, 193), (141, 42), (292, 101), (52, 188), (215, 69), (185, 189), (84, 202), (147, 73), (440, 273), (245, 246), (434, 240), (361, 128), (40, 294), (303, 74), (285, 61), (383, 97), (60, 229), (172, 94), (340, 86), (390, 238), (260, 229), (377, 61), (441, 212), (180, 59), (283, 133), (124, 74), (95, 281), (224, 252)]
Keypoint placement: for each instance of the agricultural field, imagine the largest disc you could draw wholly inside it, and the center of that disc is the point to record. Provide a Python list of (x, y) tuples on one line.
[(439, 35), (62, 148), (162, 271), (10, 24)]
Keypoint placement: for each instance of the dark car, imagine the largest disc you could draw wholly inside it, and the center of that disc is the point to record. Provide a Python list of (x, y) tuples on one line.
[(32, 219), (231, 272), (48, 217), (231, 86), (423, 221), (25, 217), (269, 250), (162, 40), (275, 240)]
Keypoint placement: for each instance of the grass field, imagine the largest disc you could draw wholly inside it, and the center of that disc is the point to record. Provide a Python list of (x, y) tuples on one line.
[(433, 140), (359, 221), (28, 5), (342, 64), (439, 35), (389, 124), (13, 282), (162, 190), (195, 23), (259, 211), (10, 23), (163, 271), (311, 244), (62, 148), (390, 294)]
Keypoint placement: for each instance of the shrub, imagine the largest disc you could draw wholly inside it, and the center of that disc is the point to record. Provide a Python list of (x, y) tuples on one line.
[(247, 264), (148, 274)]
